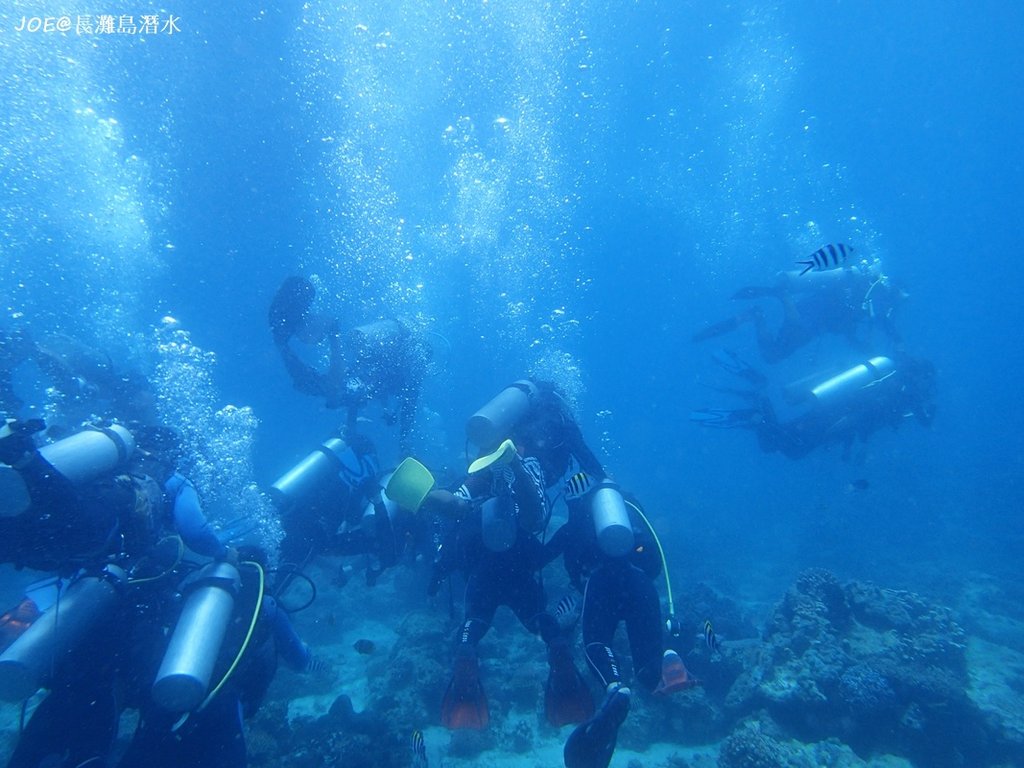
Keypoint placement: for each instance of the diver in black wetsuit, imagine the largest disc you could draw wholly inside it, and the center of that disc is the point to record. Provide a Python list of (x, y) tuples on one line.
[(117, 582), (378, 361), (211, 735), (530, 441), (838, 410), (611, 555), (852, 302)]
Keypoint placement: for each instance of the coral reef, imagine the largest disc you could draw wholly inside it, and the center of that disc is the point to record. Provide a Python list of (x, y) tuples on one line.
[(843, 675), (883, 670)]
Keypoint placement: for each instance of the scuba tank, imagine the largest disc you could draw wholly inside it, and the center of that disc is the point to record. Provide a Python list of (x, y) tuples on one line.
[(611, 520), (498, 523), (378, 334), (79, 458), (88, 454), (850, 381), (311, 473), (89, 599), (184, 675), (495, 420)]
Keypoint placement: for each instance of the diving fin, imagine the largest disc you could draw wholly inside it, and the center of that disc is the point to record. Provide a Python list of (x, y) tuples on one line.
[(566, 696), (722, 418), (591, 745), (504, 454), (465, 704)]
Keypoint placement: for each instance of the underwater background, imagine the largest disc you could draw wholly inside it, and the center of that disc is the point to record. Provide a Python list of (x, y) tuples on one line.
[(566, 190)]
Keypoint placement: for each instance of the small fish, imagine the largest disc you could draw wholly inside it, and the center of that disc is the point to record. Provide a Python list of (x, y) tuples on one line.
[(568, 610), (829, 257), (578, 485), (364, 646), (711, 639), (419, 750), (857, 485)]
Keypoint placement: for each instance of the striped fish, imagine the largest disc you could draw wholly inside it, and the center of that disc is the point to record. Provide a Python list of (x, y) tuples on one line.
[(829, 257), (711, 639), (567, 612), (578, 485), (419, 750)]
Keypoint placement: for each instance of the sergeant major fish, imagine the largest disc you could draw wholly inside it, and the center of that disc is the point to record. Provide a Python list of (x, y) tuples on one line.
[(567, 612), (578, 485), (419, 750), (826, 258)]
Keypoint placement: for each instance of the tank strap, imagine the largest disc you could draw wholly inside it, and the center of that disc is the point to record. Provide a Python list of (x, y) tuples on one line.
[(122, 448)]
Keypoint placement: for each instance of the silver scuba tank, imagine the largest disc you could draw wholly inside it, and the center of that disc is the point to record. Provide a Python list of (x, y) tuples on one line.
[(81, 457), (853, 379), (495, 420), (611, 520), (88, 454), (498, 523), (184, 676), (89, 599), (311, 473)]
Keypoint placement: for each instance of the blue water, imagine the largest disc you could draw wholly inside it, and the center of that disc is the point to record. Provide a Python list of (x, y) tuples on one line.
[(566, 189)]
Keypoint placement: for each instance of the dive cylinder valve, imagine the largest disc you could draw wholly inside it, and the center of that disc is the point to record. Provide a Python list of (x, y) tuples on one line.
[(611, 520), (184, 675), (495, 420), (90, 599)]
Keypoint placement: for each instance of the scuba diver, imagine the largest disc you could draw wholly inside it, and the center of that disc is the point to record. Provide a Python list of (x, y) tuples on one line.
[(194, 690), (336, 501), (499, 509), (840, 409), (378, 361), (850, 301), (116, 521), (612, 554), (103, 492), (528, 442)]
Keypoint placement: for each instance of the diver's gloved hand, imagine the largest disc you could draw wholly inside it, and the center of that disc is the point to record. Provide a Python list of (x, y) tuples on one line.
[(16, 439)]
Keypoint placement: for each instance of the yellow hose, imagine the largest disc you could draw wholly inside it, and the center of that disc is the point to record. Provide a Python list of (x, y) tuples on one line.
[(661, 551), (248, 636)]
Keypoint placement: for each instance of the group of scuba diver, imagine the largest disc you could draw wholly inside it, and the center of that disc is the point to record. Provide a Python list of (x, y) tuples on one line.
[(869, 381), (149, 607)]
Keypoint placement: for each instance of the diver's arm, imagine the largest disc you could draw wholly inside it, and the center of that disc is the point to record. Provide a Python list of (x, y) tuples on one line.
[(190, 522)]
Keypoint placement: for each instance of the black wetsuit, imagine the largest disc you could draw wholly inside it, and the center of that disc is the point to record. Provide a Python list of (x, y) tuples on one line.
[(615, 589), (888, 402), (845, 304), (510, 577), (213, 736), (311, 526)]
